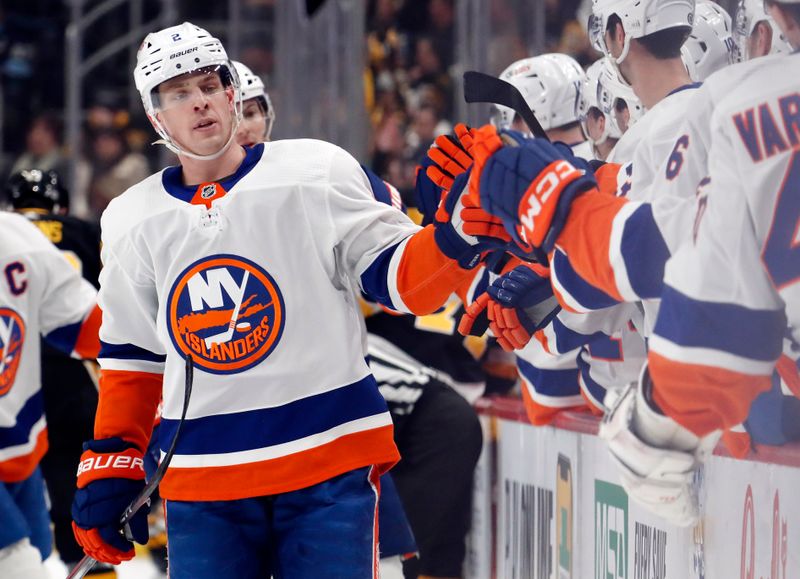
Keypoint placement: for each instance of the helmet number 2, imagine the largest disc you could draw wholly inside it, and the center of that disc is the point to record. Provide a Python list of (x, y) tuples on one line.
[(176, 37)]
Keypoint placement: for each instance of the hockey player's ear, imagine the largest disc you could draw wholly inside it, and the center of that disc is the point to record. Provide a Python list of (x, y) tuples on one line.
[(761, 40)]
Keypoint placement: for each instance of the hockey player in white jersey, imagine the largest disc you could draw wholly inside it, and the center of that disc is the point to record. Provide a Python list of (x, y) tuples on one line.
[(40, 294), (258, 114), (551, 85), (244, 259), (736, 272), (599, 124), (755, 33)]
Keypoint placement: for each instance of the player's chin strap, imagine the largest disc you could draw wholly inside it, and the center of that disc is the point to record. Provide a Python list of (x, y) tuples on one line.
[(170, 144)]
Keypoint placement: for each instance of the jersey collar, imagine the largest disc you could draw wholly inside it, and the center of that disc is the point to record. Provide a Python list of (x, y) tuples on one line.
[(172, 179), (689, 86)]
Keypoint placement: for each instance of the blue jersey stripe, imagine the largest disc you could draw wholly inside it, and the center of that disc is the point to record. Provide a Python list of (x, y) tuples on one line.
[(65, 337), (379, 188), (744, 332), (265, 427), (596, 391), (375, 279), (645, 253), (128, 352), (556, 383), (29, 414), (585, 293), (568, 339)]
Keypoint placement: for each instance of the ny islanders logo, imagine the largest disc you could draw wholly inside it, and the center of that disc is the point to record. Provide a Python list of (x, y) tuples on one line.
[(12, 336), (226, 312)]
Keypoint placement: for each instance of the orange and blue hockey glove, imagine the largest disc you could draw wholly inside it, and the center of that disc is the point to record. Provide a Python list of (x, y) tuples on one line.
[(110, 476), (450, 156), (518, 304), (464, 232), (529, 186)]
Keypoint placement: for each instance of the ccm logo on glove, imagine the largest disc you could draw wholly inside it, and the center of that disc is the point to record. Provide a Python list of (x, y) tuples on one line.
[(127, 464), (535, 200)]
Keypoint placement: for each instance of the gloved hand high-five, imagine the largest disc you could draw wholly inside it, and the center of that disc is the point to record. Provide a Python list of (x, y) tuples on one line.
[(464, 232), (518, 303), (529, 186), (110, 476), (450, 156)]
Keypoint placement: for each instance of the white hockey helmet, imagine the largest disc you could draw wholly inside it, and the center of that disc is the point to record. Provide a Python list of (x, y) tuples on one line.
[(710, 44), (550, 84), (639, 18), (252, 87), (588, 100), (176, 51), (613, 93), (748, 14)]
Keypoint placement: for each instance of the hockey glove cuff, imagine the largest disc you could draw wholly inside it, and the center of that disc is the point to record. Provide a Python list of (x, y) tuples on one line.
[(110, 476)]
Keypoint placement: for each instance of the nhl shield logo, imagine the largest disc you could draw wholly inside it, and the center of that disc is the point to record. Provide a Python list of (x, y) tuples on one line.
[(227, 312), (208, 191), (12, 337)]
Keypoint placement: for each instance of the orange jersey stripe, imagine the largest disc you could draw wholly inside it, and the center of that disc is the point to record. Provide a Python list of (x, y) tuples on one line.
[(284, 474), (21, 467), (88, 343), (703, 398), (787, 370), (590, 404), (586, 239), (127, 405), (606, 177), (538, 414), (426, 277)]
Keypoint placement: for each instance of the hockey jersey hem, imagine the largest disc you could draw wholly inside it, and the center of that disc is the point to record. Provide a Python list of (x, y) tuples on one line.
[(284, 474)]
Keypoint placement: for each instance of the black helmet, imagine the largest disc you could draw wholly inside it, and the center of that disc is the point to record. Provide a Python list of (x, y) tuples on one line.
[(35, 189)]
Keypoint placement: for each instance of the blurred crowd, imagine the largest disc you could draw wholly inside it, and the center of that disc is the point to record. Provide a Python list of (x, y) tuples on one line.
[(412, 69), (409, 85)]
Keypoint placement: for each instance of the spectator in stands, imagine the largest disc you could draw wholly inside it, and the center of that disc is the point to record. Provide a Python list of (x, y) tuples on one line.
[(43, 149), (114, 168)]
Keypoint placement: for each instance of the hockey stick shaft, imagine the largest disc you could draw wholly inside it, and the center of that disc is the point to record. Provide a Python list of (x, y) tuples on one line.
[(484, 88), (85, 565)]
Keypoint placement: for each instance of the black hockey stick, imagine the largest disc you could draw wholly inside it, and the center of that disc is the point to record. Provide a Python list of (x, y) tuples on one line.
[(86, 564), (485, 88)]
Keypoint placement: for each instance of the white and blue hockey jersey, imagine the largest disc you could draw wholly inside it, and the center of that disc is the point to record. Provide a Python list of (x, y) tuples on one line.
[(40, 294), (252, 276)]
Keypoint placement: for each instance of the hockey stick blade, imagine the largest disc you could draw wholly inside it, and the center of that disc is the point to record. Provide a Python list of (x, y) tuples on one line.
[(485, 88), (85, 565)]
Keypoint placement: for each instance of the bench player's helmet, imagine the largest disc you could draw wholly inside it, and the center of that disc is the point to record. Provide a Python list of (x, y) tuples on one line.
[(176, 51), (588, 101), (613, 94), (639, 18), (550, 84), (748, 14), (252, 87), (36, 189), (710, 45), (39, 190)]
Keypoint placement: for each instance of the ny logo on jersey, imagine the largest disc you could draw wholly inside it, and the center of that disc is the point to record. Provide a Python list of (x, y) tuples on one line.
[(227, 312), (12, 337)]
